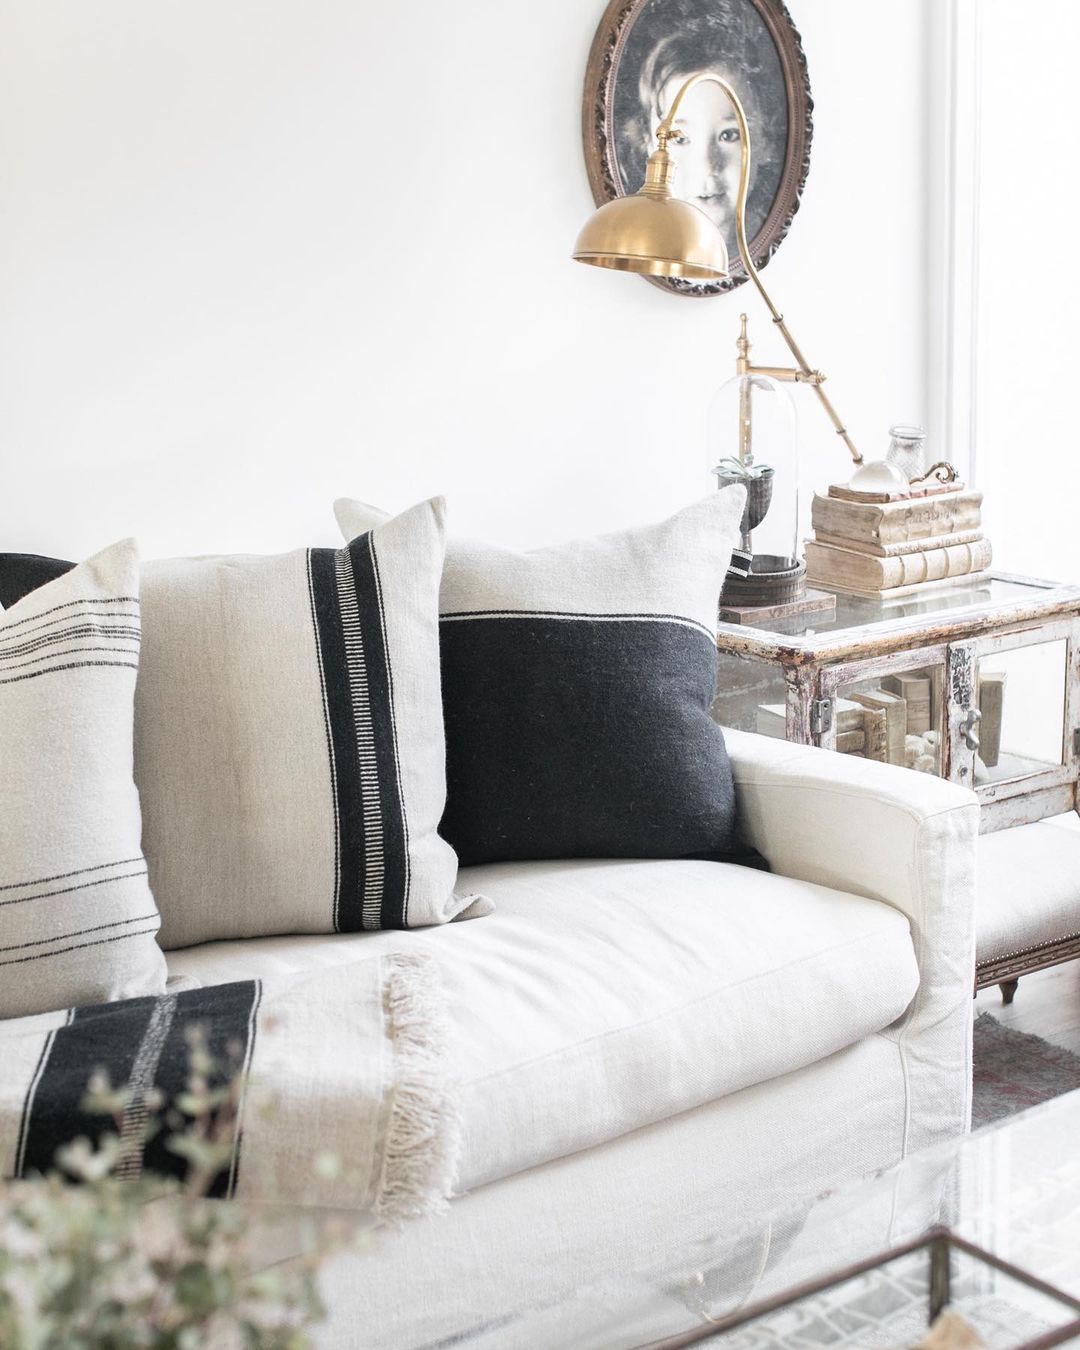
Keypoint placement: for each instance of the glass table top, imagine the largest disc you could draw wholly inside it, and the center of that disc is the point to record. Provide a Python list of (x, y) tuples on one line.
[(856, 612), (1013, 1189)]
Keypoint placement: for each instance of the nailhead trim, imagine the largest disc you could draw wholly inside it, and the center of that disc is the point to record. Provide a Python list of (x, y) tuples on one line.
[(1028, 951)]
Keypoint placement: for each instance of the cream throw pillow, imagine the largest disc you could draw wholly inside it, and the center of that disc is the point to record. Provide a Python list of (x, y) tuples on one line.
[(289, 739), (77, 917)]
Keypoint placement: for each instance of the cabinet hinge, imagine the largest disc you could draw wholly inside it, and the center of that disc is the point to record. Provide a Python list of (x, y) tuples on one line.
[(1076, 741), (821, 712)]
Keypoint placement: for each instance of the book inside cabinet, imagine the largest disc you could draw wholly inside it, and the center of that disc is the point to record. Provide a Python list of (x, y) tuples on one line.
[(893, 709)]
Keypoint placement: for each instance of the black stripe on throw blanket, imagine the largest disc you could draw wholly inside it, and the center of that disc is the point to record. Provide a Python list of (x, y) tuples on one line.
[(139, 1043)]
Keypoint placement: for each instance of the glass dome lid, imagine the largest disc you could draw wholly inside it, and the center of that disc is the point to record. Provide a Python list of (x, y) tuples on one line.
[(752, 436)]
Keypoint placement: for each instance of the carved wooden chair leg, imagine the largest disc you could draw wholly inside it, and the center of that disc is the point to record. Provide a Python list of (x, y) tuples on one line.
[(1008, 990)]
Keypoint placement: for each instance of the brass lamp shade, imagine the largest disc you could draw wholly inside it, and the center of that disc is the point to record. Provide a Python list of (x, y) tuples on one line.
[(659, 235)]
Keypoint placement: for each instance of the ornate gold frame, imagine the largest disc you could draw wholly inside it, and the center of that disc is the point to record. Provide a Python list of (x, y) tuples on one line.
[(597, 131)]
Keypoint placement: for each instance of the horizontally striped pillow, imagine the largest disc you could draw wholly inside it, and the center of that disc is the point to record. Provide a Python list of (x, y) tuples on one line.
[(77, 917), (577, 684)]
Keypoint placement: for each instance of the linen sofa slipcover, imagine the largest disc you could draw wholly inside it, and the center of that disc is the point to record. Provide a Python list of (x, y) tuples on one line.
[(851, 831), (603, 996)]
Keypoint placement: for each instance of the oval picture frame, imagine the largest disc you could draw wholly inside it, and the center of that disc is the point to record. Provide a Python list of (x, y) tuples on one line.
[(642, 51)]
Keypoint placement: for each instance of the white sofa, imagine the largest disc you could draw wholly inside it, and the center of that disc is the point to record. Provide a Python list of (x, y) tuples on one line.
[(668, 1048)]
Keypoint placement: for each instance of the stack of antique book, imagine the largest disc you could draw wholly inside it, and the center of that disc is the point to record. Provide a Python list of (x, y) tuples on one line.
[(893, 723), (861, 728), (885, 548), (898, 720)]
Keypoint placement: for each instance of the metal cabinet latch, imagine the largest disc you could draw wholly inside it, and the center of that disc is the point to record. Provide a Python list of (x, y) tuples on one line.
[(821, 712), (967, 728)]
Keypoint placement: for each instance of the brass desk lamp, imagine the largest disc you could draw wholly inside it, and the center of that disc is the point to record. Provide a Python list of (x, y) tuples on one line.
[(658, 234), (661, 235)]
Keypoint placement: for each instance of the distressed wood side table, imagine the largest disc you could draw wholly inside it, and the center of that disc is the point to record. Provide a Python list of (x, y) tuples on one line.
[(979, 684)]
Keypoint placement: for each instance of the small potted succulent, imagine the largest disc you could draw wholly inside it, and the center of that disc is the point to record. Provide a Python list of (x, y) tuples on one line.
[(758, 481)]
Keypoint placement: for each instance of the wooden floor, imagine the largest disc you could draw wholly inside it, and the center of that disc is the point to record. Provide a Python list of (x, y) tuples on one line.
[(1047, 1004)]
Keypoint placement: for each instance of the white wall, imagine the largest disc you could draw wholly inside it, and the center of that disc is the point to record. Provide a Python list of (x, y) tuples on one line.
[(256, 254), (1028, 356)]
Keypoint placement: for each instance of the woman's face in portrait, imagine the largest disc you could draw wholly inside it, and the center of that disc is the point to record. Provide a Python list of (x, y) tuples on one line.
[(705, 148)]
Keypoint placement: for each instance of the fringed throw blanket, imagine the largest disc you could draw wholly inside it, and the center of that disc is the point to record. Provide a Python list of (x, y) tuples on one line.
[(343, 1098)]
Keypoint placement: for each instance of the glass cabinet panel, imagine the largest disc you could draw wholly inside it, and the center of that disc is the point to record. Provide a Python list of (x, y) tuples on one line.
[(1021, 699), (897, 716), (752, 695)]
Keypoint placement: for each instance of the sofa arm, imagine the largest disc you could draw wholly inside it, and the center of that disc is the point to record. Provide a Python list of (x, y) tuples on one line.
[(904, 838)]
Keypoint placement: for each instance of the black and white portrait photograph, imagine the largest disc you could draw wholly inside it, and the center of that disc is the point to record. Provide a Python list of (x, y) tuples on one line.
[(649, 52)]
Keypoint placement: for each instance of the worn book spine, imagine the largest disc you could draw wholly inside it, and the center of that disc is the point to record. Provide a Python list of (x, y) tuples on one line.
[(893, 710), (877, 742), (991, 705), (892, 522), (915, 691), (901, 546), (845, 493), (848, 715), (826, 564), (903, 593)]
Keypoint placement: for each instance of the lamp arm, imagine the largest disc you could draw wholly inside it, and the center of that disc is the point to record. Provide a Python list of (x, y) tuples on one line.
[(664, 132)]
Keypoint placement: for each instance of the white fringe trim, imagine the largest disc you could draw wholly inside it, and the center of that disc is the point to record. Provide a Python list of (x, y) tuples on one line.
[(424, 1130)]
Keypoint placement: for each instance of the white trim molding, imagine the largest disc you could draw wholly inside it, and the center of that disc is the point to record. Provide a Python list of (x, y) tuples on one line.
[(952, 229)]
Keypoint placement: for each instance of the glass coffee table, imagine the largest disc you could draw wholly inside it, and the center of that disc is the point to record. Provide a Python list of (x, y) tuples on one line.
[(1011, 1190)]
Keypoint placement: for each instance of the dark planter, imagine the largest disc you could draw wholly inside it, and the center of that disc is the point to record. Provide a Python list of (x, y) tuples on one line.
[(772, 581), (758, 496)]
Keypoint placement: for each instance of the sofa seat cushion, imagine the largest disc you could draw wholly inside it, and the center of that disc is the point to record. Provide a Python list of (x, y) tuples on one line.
[(604, 996)]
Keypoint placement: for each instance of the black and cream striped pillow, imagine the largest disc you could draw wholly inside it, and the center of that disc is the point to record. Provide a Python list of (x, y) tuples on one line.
[(77, 917), (289, 745), (577, 687)]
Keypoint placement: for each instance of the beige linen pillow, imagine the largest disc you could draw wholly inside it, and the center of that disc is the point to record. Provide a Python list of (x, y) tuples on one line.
[(77, 917), (289, 744)]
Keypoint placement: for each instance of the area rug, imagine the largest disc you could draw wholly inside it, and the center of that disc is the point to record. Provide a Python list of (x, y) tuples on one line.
[(1014, 1071)]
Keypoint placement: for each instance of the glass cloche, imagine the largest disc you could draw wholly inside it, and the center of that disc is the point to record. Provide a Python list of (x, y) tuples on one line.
[(752, 432)]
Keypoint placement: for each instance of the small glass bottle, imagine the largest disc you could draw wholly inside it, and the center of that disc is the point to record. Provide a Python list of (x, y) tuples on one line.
[(907, 450)]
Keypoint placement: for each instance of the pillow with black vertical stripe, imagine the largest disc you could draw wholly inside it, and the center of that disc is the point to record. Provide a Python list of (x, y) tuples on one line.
[(289, 744), (78, 921), (577, 686)]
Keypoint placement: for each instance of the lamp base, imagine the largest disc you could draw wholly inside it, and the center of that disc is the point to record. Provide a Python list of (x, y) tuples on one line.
[(771, 581)]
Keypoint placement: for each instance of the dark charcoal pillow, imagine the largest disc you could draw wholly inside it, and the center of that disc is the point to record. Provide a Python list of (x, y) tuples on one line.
[(577, 687), (21, 573)]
